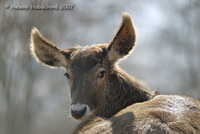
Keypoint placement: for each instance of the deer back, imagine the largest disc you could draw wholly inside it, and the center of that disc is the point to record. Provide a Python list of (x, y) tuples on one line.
[(164, 114)]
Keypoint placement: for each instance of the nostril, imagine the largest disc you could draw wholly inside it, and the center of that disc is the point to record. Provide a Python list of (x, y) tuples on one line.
[(83, 111), (78, 112)]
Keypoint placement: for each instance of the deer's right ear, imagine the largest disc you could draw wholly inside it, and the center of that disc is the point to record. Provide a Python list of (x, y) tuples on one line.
[(124, 40), (45, 51)]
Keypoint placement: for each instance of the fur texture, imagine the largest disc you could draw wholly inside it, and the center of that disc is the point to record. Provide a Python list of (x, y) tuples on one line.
[(118, 103), (164, 114)]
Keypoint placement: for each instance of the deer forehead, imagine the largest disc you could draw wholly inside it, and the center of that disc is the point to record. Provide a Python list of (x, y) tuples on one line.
[(86, 58), (88, 50)]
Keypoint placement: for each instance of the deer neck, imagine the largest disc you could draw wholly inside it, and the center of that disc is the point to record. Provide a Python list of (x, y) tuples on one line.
[(123, 90)]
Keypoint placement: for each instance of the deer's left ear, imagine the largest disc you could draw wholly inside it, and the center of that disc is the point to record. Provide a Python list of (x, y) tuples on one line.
[(124, 39), (45, 51)]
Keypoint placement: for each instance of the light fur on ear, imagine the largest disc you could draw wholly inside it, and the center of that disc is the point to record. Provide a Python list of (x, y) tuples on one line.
[(124, 39), (45, 51)]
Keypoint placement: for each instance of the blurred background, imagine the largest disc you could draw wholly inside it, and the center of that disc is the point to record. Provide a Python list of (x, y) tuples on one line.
[(35, 99)]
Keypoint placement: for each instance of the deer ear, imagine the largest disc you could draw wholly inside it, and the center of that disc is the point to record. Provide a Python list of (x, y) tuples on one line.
[(124, 39), (45, 51)]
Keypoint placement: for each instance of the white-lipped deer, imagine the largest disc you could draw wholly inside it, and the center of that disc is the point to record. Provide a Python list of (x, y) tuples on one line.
[(106, 98)]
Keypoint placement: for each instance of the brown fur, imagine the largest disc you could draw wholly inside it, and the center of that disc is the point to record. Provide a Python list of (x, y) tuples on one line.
[(164, 114), (119, 103)]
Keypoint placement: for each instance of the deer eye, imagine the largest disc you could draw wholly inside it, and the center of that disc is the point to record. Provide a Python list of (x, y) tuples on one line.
[(101, 74), (67, 75)]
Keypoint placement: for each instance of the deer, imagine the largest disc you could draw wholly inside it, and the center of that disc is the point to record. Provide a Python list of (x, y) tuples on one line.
[(105, 99)]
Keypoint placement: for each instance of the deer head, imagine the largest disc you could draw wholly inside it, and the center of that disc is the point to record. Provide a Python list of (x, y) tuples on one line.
[(90, 70)]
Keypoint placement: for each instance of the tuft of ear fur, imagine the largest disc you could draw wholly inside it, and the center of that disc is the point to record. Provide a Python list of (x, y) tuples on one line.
[(124, 39), (45, 51)]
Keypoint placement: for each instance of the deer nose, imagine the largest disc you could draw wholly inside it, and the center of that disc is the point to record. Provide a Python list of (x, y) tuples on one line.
[(79, 111)]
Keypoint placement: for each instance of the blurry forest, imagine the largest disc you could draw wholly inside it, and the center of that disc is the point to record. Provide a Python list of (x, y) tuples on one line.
[(35, 99)]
